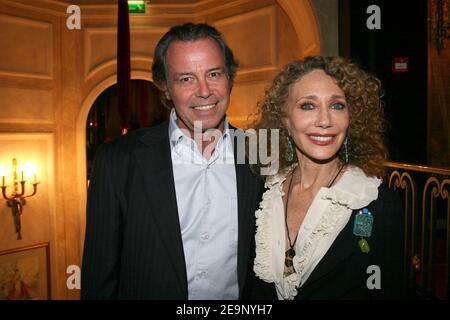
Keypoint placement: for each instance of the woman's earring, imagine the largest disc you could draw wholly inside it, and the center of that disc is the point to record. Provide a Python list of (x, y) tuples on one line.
[(289, 150), (346, 149)]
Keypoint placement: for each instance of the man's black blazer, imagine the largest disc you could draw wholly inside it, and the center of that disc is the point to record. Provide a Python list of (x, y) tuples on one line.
[(133, 246)]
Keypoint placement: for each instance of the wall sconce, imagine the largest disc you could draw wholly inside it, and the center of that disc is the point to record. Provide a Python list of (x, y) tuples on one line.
[(16, 200)]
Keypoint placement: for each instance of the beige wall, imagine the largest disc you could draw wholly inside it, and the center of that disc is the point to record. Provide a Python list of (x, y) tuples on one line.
[(50, 76)]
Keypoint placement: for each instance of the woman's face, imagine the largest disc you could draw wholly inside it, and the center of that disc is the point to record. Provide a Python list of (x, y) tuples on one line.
[(317, 116)]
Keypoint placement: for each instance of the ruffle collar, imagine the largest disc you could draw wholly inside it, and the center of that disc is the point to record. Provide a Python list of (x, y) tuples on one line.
[(353, 190)]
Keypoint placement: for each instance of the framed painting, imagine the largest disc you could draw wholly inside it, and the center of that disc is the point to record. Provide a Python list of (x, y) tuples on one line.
[(24, 273)]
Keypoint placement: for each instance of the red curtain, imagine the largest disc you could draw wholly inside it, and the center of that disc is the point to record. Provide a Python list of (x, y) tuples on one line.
[(123, 65)]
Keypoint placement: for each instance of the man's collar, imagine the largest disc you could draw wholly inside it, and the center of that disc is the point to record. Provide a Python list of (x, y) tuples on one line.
[(176, 134)]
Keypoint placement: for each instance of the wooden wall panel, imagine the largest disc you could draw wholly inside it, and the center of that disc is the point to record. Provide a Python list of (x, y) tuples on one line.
[(100, 45), (143, 41), (31, 55), (252, 37), (26, 105)]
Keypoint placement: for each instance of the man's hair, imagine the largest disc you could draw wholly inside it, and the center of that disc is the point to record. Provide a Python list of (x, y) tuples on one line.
[(190, 32)]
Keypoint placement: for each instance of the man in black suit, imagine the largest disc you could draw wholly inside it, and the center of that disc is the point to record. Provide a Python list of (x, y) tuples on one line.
[(170, 210)]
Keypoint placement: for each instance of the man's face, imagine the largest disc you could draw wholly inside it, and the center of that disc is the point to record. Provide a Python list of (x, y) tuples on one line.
[(197, 83)]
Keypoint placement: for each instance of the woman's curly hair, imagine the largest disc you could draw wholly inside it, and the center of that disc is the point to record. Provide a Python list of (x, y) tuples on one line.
[(366, 146)]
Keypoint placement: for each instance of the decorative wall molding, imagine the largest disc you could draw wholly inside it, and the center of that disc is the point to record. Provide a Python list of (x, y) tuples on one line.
[(53, 7), (186, 11), (19, 81), (27, 127), (305, 24), (255, 74), (144, 40), (253, 37), (96, 58), (26, 106), (96, 53), (23, 60)]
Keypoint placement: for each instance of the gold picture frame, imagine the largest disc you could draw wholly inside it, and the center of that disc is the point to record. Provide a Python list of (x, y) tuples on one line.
[(25, 273)]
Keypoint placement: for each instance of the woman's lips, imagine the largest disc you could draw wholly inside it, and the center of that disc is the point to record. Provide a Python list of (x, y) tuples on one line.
[(322, 140)]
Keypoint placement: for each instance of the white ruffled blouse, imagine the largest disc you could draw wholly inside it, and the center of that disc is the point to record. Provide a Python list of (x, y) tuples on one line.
[(328, 214)]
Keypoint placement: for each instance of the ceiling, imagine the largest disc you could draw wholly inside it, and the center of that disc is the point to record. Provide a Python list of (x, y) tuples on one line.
[(97, 2)]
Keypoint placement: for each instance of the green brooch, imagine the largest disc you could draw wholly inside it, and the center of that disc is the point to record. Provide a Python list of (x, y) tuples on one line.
[(362, 227)]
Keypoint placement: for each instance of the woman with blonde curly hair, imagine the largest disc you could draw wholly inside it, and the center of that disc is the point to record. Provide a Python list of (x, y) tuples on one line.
[(327, 227)]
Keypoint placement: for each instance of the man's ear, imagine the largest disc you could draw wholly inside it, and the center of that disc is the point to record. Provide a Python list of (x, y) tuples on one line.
[(165, 90), (167, 93)]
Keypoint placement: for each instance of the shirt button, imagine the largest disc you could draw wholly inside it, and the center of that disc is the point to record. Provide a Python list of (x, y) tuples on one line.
[(204, 236)]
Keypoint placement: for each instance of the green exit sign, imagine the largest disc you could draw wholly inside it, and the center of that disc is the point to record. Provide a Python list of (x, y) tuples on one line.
[(136, 6)]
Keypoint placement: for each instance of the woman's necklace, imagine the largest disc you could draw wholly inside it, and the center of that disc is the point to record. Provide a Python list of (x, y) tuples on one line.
[(290, 252)]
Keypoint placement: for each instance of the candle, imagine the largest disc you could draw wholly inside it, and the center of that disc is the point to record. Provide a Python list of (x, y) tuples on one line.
[(34, 178), (3, 180), (21, 175)]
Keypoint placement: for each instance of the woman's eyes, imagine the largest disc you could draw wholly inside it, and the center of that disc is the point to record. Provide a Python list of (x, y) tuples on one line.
[(311, 106), (338, 106), (307, 106)]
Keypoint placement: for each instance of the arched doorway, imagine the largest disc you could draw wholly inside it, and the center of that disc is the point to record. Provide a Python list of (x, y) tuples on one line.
[(103, 120)]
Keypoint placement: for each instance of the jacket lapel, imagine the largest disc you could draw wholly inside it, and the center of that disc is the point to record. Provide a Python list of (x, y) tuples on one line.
[(246, 188), (155, 163), (345, 245)]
